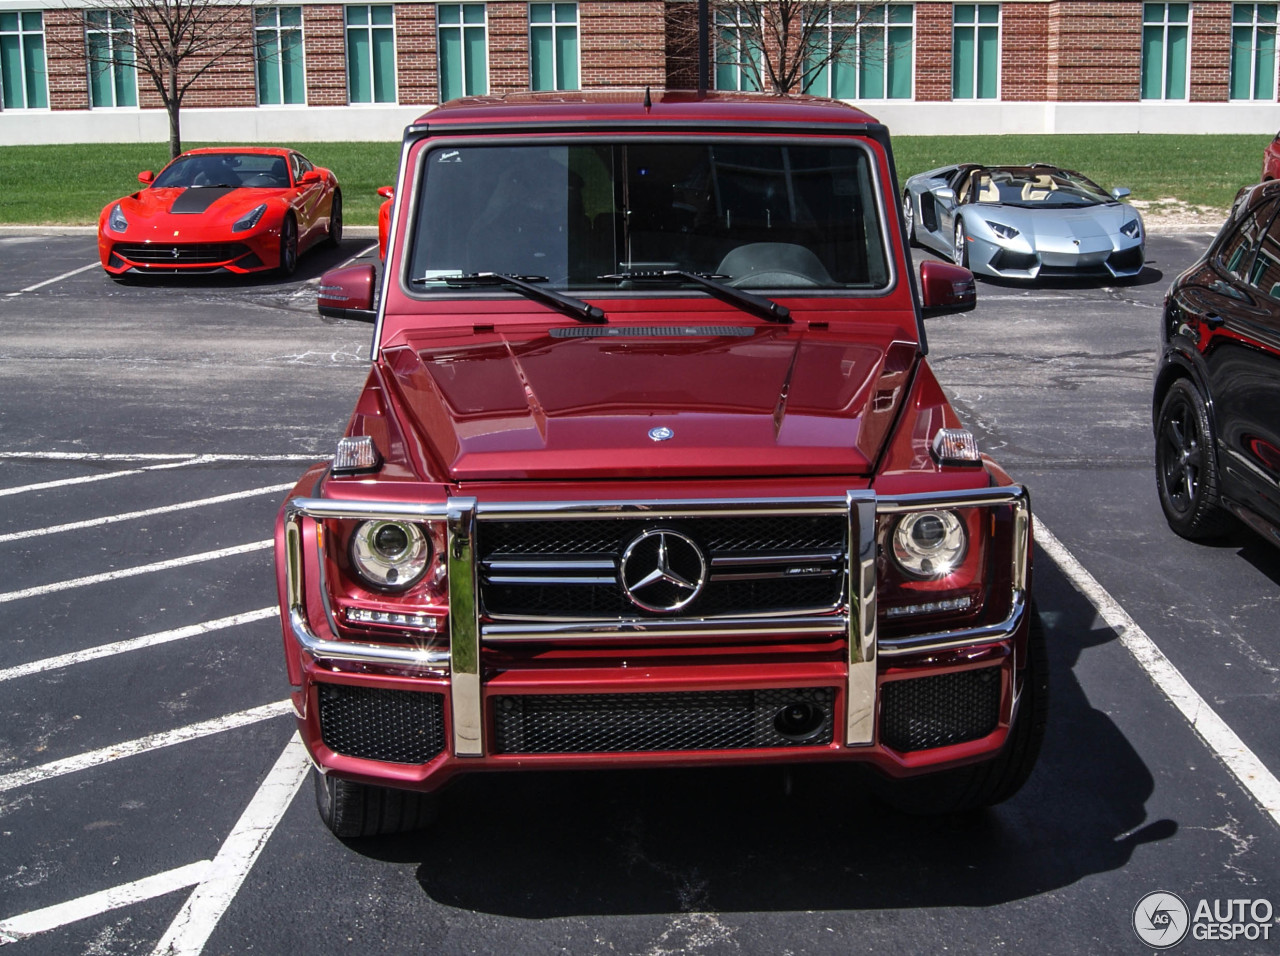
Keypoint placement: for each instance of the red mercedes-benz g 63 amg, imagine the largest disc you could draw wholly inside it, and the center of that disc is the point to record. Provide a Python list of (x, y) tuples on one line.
[(650, 469)]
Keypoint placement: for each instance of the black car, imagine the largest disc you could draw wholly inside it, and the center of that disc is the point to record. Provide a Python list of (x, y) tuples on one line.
[(1216, 405)]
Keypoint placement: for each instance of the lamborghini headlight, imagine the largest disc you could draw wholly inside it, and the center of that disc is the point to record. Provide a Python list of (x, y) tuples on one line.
[(1132, 229), (249, 219), (390, 555), (116, 221), (929, 544), (1003, 231)]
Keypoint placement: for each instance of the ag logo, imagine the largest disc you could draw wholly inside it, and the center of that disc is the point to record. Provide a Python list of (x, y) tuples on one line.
[(1161, 920)]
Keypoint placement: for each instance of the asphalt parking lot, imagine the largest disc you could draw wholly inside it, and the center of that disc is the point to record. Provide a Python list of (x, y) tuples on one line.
[(152, 799)]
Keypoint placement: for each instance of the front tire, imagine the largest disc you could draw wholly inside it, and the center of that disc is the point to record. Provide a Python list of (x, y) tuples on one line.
[(960, 251), (335, 221), (909, 218), (992, 781), (352, 810), (1186, 467), (288, 246)]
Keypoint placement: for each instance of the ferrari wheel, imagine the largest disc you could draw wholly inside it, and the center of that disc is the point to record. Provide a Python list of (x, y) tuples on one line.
[(909, 217), (335, 221), (288, 246), (960, 254), (351, 810), (1186, 467), (992, 781)]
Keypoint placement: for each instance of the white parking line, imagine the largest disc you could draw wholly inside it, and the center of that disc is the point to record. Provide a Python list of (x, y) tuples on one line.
[(166, 462), (136, 643), (185, 458), (94, 758), (1243, 764), (134, 572), (195, 922), (65, 275), (133, 515), (52, 917)]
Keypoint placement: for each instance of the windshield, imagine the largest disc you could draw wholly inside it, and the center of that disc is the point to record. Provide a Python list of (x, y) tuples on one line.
[(1034, 186), (595, 216), (225, 169)]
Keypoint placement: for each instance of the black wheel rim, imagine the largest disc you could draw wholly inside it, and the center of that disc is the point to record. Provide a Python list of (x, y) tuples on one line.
[(289, 246), (335, 220), (1181, 453)]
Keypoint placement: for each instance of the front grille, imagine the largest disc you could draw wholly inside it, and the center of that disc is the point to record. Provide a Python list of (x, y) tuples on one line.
[(181, 254), (926, 712), (640, 723), (395, 725), (571, 569)]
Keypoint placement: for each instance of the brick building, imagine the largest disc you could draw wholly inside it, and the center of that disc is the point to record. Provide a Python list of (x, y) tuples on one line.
[(310, 69)]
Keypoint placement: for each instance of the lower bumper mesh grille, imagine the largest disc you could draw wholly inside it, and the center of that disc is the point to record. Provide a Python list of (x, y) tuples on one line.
[(636, 723), (394, 725), (937, 711)]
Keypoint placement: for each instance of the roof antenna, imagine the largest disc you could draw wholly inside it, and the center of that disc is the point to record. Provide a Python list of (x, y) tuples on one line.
[(648, 100)]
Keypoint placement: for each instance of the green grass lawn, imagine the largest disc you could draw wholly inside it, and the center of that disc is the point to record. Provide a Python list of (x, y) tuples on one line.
[(44, 185)]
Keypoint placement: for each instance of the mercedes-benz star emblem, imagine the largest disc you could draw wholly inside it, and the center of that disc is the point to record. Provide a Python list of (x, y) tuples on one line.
[(663, 571)]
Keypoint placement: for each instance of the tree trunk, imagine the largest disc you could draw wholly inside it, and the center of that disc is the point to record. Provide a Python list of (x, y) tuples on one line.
[(173, 104)]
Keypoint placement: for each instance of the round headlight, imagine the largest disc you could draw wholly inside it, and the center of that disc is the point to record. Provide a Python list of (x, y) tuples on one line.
[(392, 555), (929, 544)]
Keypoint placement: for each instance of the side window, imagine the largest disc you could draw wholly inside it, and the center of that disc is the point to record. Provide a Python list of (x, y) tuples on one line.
[(1265, 274), (1238, 252)]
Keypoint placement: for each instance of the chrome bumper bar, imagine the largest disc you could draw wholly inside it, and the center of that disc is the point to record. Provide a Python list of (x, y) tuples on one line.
[(856, 621)]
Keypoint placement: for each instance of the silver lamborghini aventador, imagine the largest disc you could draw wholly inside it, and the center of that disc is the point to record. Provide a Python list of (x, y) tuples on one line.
[(1022, 222)]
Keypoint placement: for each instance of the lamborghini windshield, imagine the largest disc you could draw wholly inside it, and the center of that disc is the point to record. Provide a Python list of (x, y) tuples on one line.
[(598, 216), (1036, 186)]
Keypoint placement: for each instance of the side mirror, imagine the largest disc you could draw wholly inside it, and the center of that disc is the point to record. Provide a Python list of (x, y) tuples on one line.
[(309, 177), (146, 177), (347, 293), (1119, 192), (386, 192), (946, 193), (946, 289)]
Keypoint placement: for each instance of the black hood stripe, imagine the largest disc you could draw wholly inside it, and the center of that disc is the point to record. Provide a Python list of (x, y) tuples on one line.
[(196, 200)]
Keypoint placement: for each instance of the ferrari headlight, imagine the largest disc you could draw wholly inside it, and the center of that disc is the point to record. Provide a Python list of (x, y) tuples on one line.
[(390, 555), (1003, 231), (929, 544), (116, 221), (1132, 229), (249, 219)]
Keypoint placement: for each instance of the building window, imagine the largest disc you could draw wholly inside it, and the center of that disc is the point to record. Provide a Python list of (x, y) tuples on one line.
[(873, 58), (1253, 51), (975, 51), (464, 58), (23, 84), (1166, 29), (277, 41), (113, 78), (371, 54), (553, 46), (737, 50)]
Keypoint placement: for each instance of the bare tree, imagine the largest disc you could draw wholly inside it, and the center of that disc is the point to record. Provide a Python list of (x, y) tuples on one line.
[(784, 45), (170, 43)]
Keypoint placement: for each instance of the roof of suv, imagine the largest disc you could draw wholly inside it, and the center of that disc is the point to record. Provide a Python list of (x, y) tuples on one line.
[(627, 107)]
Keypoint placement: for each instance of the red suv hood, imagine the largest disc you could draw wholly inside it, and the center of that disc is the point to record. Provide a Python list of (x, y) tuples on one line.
[(625, 401)]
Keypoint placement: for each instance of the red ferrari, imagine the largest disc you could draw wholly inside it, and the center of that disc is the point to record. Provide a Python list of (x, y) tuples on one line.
[(242, 209)]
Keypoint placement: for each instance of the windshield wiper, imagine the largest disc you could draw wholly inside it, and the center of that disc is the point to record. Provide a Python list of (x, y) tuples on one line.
[(747, 301), (574, 308)]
